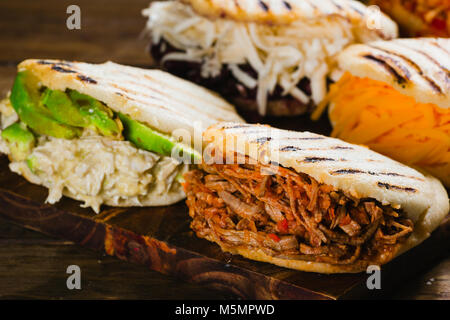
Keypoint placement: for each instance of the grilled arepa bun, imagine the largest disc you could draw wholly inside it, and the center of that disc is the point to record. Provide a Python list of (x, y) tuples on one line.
[(308, 202), (270, 57), (394, 97), (105, 133)]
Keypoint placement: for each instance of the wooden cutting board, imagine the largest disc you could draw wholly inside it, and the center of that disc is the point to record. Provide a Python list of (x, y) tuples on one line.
[(157, 237), (161, 239)]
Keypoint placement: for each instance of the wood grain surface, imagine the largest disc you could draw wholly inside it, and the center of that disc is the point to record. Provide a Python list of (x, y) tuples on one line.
[(33, 265), (110, 30)]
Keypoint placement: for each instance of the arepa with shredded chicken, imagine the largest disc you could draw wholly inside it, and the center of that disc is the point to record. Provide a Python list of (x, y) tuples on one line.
[(106, 133)]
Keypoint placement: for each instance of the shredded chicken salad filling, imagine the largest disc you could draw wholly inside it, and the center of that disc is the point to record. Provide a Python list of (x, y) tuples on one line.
[(290, 215), (281, 55)]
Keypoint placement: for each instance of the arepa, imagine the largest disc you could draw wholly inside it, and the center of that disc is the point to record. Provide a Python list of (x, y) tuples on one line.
[(106, 133), (308, 202), (271, 57), (394, 97)]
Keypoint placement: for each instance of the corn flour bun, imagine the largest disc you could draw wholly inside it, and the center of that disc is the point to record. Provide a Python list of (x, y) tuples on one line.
[(415, 67), (99, 170), (353, 169), (276, 12)]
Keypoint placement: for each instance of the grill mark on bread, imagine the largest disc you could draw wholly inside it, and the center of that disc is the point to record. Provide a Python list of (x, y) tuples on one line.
[(357, 171), (433, 84), (318, 159), (61, 69), (301, 138), (387, 67), (262, 140), (407, 74), (287, 5), (138, 92), (338, 6), (44, 62), (194, 97), (447, 72), (237, 126), (444, 70), (394, 187), (342, 148), (61, 63), (86, 79), (263, 5), (430, 81), (289, 149), (436, 44), (293, 148), (356, 10), (136, 96), (312, 5), (347, 171)]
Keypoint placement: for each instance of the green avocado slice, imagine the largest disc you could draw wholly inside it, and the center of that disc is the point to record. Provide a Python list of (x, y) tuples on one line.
[(20, 141), (80, 110), (63, 109), (99, 115), (25, 102), (148, 139), (63, 115)]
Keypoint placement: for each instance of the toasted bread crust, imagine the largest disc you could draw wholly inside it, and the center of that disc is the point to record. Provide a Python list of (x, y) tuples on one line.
[(161, 100), (287, 11), (419, 68)]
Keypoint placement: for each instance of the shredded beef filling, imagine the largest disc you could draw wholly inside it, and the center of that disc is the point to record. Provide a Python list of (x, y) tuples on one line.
[(290, 215)]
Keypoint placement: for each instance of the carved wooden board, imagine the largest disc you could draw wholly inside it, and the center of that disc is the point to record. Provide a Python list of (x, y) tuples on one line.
[(161, 239)]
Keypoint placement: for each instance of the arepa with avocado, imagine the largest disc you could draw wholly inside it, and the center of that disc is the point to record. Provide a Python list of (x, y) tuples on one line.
[(106, 133)]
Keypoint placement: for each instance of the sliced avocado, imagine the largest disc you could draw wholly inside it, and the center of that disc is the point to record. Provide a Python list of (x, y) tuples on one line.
[(145, 138), (20, 141), (63, 109), (99, 115), (25, 101)]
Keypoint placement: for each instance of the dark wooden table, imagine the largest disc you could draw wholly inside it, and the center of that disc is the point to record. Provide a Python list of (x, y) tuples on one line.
[(33, 265)]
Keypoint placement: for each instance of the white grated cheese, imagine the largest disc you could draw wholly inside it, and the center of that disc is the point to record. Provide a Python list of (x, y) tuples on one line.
[(281, 55), (246, 80)]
